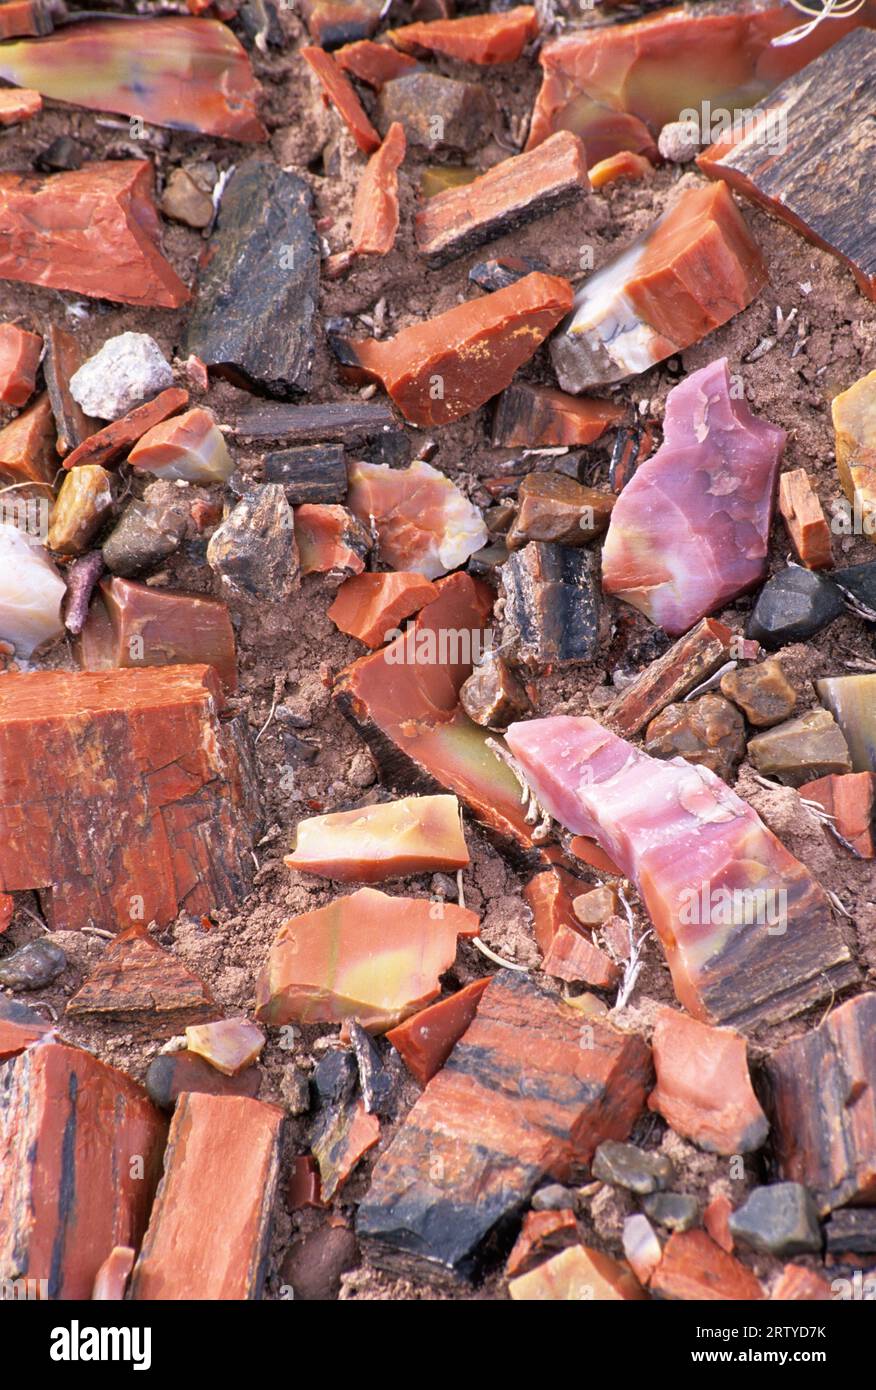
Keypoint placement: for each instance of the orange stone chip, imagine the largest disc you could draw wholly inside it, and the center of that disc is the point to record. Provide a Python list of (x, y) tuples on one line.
[(804, 517), (573, 958), (703, 1087), (330, 540), (799, 1285), (367, 956), (851, 799), (716, 1219), (338, 90), (229, 1045), (210, 1225), (550, 895), (541, 1230), (486, 39), (16, 1035), (371, 606), (589, 852), (444, 368), (27, 445), (107, 446), (190, 447), (419, 834), (623, 165), (80, 1154), (18, 104), (373, 63), (578, 1274), (19, 360), (427, 1039), (695, 1269), (94, 231), (375, 206), (137, 978)]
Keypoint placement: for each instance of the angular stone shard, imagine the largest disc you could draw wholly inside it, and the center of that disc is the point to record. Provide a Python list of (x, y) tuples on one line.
[(512, 194), (254, 551), (486, 39), (711, 487), (316, 474), (541, 1233), (375, 207), (537, 417), (331, 22), (854, 422), (445, 367), (371, 606), (550, 895), (553, 507), (438, 113), (347, 1134), (348, 421), (574, 958), (27, 446), (107, 446), (128, 369), (822, 113), (804, 519), (338, 91), (150, 528), (694, 1268), (137, 979), (690, 661), (551, 615), (366, 956), (801, 749), (229, 1046), (823, 1106), (707, 732), (763, 692), (747, 930), (63, 359), (209, 1230), (189, 74), (404, 702), (427, 1038), (858, 582), (20, 17), (576, 1274), (703, 1087), (780, 1219), (851, 1232), (422, 520), (262, 267), (518, 1100), (373, 63), (852, 701), (19, 1027), (70, 1132), (83, 505), (850, 801), (190, 447), (171, 1073), (687, 274), (20, 353), (394, 839), (152, 811), (31, 593), (134, 625), (94, 231), (492, 695), (799, 1285), (330, 540)]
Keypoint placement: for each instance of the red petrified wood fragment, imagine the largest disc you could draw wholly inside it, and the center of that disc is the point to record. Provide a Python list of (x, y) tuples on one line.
[(94, 231), (136, 978), (80, 1153), (422, 520), (338, 90), (420, 834), (541, 1232), (703, 1087), (823, 1106), (550, 895), (371, 606), (330, 540), (27, 445), (350, 1132), (122, 795), (486, 39), (804, 518), (574, 958), (716, 1219), (19, 1027), (107, 446), (210, 1226), (444, 368), (577, 1274), (19, 360), (695, 1268), (375, 206), (689, 662), (538, 417), (19, 105), (373, 63), (851, 799), (697, 853), (518, 1099), (18, 17), (427, 1039)]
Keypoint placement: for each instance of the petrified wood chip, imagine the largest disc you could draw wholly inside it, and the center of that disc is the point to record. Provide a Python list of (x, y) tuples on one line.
[(373, 63), (80, 1154), (404, 702), (375, 207), (486, 39), (710, 487), (541, 1233), (263, 263), (551, 615), (190, 447), (852, 701), (316, 474), (492, 695), (422, 520), (804, 518), (19, 1027), (134, 625), (27, 445), (763, 692), (685, 275), (801, 749), (84, 503), (254, 552), (94, 231), (19, 359), (703, 1087), (438, 113), (511, 194), (823, 1106), (623, 165), (154, 810), (554, 507), (850, 801), (346, 1136), (330, 540), (367, 956), (222, 1161), (338, 90), (419, 834), (19, 17), (427, 1038), (689, 662), (519, 1099), (371, 606), (331, 22), (818, 118), (576, 1274), (709, 732), (63, 359), (348, 421), (572, 957), (747, 930), (229, 1045), (189, 74), (445, 367), (854, 422), (107, 445), (695, 1268), (550, 895), (31, 594), (171, 1073), (136, 978), (538, 417)]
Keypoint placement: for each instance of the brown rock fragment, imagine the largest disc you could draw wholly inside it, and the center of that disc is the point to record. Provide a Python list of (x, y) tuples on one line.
[(538, 417), (695, 1268), (763, 692), (479, 38), (314, 1265), (595, 906), (703, 1087), (63, 359), (107, 446), (850, 800), (94, 231), (71, 1129), (492, 695), (209, 1229), (801, 749), (438, 113), (371, 606), (541, 1233), (576, 1274), (823, 1106), (708, 732), (84, 503), (375, 206), (338, 90), (183, 200), (427, 1038), (689, 662), (804, 518), (303, 1186), (799, 1285), (554, 507), (136, 978), (19, 359), (512, 194), (27, 445)]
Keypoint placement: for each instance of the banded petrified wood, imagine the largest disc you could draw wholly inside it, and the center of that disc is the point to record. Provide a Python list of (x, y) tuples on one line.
[(123, 795), (528, 1092)]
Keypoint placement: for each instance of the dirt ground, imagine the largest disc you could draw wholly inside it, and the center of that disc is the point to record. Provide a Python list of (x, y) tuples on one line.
[(289, 654)]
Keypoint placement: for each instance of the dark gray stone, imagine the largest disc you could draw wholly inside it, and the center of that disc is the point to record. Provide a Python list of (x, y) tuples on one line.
[(860, 583), (315, 474), (498, 274), (792, 606), (625, 1165), (334, 1079), (852, 1231), (781, 1219), (554, 1197), (551, 613), (677, 1211), (378, 1079), (32, 966), (254, 551)]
